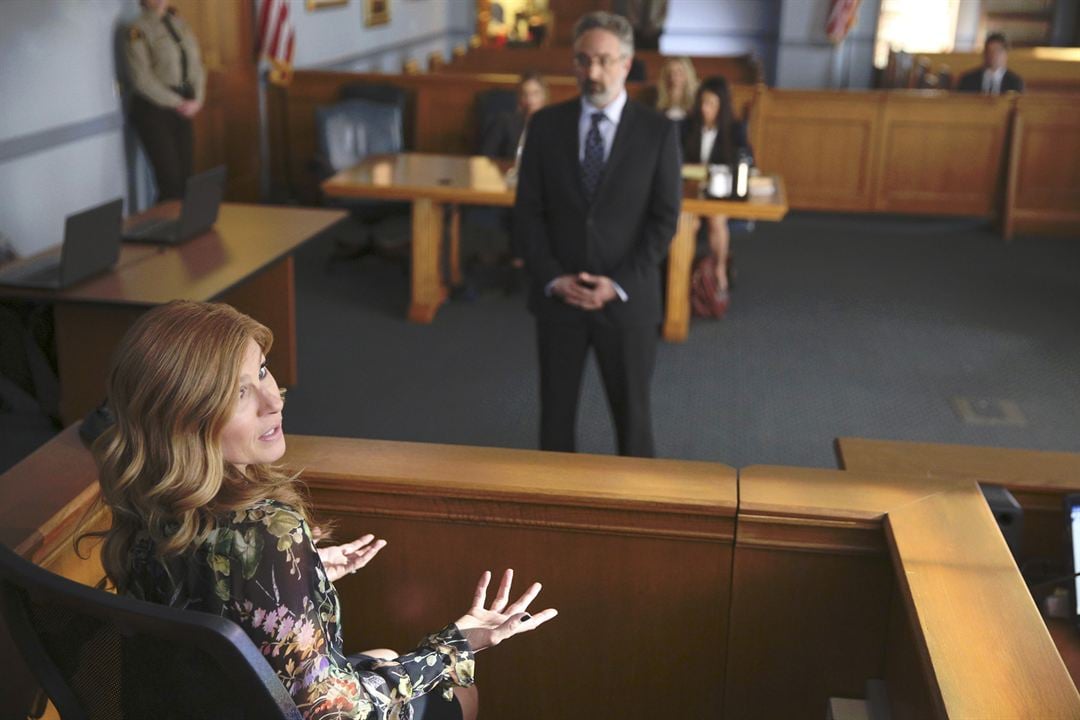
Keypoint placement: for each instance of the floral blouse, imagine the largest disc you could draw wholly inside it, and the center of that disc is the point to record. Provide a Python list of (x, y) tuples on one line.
[(260, 569)]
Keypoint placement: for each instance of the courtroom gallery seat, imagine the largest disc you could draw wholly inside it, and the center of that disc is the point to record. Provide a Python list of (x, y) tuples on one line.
[(102, 656)]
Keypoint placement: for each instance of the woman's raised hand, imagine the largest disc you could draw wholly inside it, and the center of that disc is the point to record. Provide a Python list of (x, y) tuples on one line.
[(485, 628), (341, 560)]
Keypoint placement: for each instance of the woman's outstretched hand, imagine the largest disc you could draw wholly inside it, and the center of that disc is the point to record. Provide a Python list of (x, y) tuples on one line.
[(485, 628), (341, 560)]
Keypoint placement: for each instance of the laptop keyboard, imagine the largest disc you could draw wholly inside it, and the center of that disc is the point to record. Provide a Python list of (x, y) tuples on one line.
[(41, 269), (155, 226)]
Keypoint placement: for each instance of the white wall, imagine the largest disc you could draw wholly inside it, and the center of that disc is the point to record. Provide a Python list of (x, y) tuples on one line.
[(63, 142), (724, 27), (806, 58), (788, 36), (61, 135), (968, 20), (335, 37)]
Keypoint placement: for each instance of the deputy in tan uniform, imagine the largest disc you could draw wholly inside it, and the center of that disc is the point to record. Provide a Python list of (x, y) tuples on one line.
[(170, 85)]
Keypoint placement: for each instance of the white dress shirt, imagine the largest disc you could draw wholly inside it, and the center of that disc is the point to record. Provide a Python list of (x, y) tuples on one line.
[(708, 139), (675, 113), (608, 126), (991, 84)]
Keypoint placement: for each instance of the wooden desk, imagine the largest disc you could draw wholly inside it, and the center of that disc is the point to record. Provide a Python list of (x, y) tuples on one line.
[(244, 261), (432, 181)]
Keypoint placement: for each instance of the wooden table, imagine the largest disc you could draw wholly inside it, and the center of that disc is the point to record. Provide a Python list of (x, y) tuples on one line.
[(244, 261), (431, 182)]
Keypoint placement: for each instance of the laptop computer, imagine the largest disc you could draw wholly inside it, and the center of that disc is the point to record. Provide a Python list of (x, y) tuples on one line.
[(198, 213), (91, 246)]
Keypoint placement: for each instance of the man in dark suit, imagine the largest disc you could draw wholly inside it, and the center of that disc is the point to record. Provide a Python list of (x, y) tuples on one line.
[(993, 78), (598, 199)]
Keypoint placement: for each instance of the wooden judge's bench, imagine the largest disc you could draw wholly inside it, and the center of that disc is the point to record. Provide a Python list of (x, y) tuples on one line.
[(685, 589)]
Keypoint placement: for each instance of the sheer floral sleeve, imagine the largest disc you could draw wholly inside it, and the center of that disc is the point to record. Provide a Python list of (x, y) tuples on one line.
[(269, 579)]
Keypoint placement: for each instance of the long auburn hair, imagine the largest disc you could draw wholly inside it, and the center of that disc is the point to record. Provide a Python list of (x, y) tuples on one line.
[(172, 387), (663, 99), (724, 120)]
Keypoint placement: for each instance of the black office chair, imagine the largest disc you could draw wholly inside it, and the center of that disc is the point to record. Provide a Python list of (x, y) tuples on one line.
[(100, 656), (490, 104), (347, 132), (384, 94)]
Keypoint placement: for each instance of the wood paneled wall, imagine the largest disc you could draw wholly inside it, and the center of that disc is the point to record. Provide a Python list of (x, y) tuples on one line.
[(1043, 192), (227, 129), (636, 557), (941, 155), (890, 151), (822, 144), (557, 61)]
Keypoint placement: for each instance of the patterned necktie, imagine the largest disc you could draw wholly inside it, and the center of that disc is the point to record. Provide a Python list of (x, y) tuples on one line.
[(593, 164)]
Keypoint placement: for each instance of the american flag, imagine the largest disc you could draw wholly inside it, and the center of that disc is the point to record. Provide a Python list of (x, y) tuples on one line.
[(276, 39), (842, 15)]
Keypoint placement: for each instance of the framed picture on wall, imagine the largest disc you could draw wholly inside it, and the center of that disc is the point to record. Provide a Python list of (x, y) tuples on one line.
[(319, 4), (376, 12)]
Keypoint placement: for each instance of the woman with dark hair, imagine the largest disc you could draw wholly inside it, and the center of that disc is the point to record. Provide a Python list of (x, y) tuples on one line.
[(203, 518), (714, 137)]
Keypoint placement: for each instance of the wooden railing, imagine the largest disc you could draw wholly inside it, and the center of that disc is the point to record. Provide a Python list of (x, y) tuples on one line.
[(683, 589), (557, 61), (1010, 157)]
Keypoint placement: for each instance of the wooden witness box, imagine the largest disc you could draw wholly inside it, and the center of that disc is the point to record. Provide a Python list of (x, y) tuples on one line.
[(685, 589)]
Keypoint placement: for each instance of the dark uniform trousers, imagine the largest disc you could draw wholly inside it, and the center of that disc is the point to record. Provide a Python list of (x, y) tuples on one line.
[(626, 356), (168, 139)]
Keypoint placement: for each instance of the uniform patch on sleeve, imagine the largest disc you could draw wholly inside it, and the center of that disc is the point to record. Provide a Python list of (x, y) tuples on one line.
[(135, 34)]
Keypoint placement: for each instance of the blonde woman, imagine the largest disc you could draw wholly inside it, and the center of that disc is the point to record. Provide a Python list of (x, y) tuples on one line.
[(676, 89), (203, 519)]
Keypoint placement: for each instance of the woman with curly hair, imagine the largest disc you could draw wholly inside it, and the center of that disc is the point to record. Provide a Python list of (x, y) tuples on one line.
[(203, 519)]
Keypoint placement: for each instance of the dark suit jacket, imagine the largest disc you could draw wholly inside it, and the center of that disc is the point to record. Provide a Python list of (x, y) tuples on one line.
[(624, 233), (691, 143), (972, 81), (500, 137)]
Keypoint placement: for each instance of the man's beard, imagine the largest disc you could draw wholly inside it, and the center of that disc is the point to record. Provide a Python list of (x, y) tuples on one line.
[(597, 93)]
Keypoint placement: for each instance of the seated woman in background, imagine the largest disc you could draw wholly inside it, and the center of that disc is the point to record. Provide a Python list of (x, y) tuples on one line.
[(676, 88), (203, 519), (504, 136), (714, 137)]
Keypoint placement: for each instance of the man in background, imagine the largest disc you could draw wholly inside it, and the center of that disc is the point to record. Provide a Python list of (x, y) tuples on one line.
[(598, 199), (993, 78)]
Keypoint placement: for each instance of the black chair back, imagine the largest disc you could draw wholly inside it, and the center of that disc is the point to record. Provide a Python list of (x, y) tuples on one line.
[(103, 657), (385, 94), (490, 104)]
